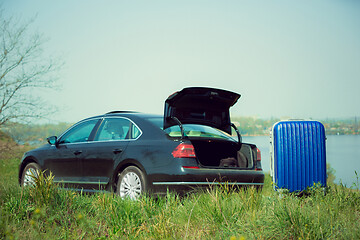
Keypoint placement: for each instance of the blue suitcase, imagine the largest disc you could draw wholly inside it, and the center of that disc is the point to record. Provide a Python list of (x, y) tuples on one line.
[(298, 155)]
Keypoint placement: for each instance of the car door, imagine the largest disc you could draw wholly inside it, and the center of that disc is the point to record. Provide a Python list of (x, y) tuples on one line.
[(64, 159), (106, 150)]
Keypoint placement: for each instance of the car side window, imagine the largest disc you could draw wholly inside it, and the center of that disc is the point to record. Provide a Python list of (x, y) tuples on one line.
[(135, 132), (116, 129), (79, 133)]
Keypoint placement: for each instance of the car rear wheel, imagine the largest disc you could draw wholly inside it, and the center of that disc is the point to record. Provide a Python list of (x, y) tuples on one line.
[(29, 174), (131, 183)]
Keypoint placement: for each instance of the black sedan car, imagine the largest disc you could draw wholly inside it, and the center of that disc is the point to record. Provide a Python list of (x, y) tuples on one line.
[(132, 153)]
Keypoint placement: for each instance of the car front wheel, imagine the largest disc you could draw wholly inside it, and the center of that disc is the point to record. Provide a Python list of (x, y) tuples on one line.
[(131, 183), (29, 174)]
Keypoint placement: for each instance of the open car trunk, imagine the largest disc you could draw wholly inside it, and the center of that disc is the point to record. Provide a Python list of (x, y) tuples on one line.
[(200, 105), (224, 154)]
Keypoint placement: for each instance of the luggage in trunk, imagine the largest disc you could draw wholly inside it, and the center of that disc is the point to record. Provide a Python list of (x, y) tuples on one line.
[(223, 154), (298, 156)]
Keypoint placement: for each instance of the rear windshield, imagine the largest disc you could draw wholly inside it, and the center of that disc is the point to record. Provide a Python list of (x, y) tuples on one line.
[(192, 130)]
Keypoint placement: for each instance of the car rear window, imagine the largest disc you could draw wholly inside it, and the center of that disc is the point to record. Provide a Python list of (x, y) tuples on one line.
[(198, 131), (191, 130)]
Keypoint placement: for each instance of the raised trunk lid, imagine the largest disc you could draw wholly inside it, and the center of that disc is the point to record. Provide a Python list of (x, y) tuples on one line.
[(199, 105)]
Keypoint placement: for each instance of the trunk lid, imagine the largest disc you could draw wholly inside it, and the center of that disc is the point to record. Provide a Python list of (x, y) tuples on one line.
[(199, 105)]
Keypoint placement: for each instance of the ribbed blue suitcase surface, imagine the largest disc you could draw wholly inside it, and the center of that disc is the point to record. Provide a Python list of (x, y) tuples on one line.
[(298, 154)]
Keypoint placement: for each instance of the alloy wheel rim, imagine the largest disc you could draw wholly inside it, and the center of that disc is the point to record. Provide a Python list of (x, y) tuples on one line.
[(29, 178), (130, 186)]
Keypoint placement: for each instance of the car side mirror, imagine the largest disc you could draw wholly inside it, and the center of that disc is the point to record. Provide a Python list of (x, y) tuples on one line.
[(52, 140)]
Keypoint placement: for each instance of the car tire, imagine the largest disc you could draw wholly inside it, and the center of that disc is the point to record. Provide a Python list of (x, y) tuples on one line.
[(131, 183), (30, 171)]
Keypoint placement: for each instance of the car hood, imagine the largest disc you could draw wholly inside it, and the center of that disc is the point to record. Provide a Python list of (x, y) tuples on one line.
[(199, 105)]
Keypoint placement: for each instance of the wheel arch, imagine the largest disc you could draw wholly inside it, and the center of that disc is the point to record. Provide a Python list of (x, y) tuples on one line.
[(121, 166), (24, 163)]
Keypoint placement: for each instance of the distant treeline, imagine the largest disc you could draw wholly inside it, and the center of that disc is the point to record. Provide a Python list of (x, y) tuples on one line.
[(248, 126), (34, 133), (257, 126), (252, 126)]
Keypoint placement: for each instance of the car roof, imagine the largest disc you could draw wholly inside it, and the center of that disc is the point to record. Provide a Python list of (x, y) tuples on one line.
[(124, 114), (131, 113)]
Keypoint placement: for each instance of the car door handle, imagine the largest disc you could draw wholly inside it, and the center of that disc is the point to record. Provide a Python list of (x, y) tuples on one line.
[(77, 152), (117, 150)]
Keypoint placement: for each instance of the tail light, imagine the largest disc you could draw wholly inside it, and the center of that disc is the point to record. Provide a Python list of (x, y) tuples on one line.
[(184, 150), (258, 160), (191, 167), (258, 154)]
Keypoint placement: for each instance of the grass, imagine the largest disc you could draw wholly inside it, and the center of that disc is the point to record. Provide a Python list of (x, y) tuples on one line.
[(47, 212)]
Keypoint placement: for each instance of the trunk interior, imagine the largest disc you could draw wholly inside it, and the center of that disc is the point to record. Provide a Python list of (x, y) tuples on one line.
[(223, 154)]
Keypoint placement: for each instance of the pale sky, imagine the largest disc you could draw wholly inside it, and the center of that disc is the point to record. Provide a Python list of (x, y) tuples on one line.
[(298, 59)]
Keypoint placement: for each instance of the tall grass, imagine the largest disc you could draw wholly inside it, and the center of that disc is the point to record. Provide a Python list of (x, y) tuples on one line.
[(48, 212)]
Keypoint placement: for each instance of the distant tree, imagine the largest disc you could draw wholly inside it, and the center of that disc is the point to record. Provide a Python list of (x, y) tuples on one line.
[(23, 71), (33, 133)]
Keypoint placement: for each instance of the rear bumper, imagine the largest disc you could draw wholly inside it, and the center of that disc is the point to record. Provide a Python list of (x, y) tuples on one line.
[(190, 179)]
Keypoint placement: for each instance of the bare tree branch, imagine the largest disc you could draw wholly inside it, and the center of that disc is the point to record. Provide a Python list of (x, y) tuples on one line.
[(23, 69)]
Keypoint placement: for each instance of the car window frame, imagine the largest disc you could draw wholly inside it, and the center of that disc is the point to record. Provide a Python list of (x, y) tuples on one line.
[(115, 140), (91, 135)]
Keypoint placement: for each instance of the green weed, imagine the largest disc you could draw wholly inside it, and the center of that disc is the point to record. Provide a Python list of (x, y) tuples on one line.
[(45, 211)]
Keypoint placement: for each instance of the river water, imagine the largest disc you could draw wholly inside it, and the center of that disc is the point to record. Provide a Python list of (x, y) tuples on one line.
[(342, 153)]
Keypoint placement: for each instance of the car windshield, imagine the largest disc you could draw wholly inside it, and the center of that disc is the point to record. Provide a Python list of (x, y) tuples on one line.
[(192, 130)]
